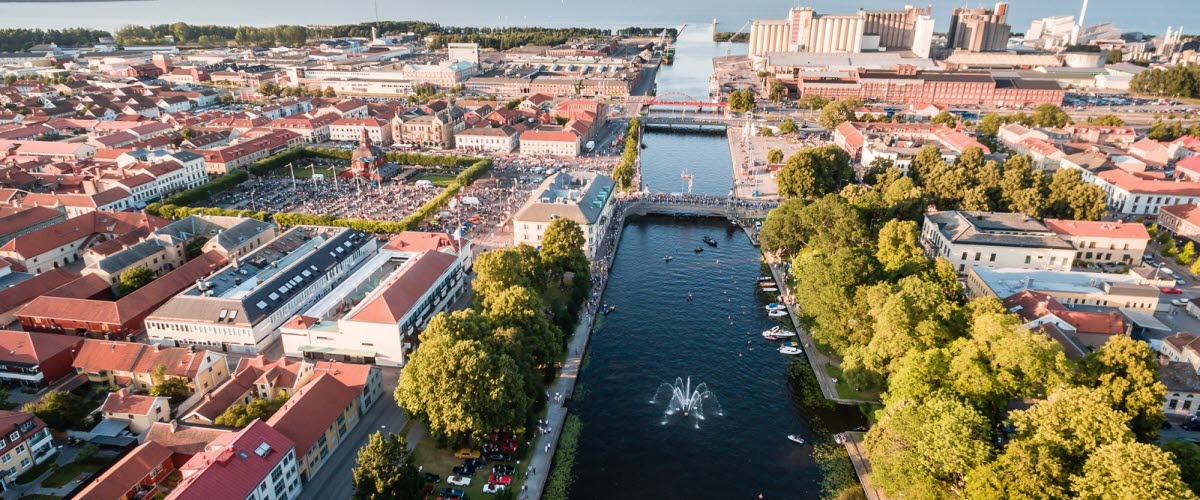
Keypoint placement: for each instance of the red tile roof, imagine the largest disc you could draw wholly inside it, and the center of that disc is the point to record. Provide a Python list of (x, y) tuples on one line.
[(420, 241), (183, 439), (1189, 212), (123, 402), (1098, 228), (394, 301), (21, 293), (309, 413), (1135, 184), (1030, 306), (128, 472), (77, 228), (33, 347), (548, 135), (230, 467)]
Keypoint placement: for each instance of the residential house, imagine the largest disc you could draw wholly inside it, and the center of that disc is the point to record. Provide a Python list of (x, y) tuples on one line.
[(24, 443), (317, 418), (61, 244), (584, 197), (130, 364), (136, 475), (139, 410), (32, 359), (549, 143), (257, 462)]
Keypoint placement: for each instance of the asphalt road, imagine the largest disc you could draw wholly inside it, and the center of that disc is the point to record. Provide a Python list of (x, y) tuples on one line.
[(335, 479)]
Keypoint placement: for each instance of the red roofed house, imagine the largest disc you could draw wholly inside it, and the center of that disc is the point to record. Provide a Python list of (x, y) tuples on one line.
[(350, 129), (255, 462), (382, 327), (139, 410), (24, 442), (1082, 331), (36, 359), (113, 318), (1103, 242), (549, 143), (1133, 194), (131, 364), (1181, 220), (317, 418), (255, 378), (134, 476), (61, 244)]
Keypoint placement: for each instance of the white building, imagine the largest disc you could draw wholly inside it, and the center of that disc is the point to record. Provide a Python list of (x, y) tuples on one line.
[(375, 314), (1103, 242), (256, 462), (549, 143), (240, 308), (490, 139), (997, 240), (351, 129), (1130, 194), (466, 52), (864, 31), (584, 197)]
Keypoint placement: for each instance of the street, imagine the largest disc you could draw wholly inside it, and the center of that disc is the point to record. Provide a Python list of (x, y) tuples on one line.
[(335, 479)]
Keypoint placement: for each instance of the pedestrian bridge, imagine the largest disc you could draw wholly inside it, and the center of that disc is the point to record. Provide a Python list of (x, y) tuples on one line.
[(700, 206), (700, 120)]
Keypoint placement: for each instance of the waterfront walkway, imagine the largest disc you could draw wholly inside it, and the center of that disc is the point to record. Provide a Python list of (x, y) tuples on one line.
[(862, 466)]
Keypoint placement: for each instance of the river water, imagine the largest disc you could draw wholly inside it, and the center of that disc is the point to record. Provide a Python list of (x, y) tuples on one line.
[(656, 335)]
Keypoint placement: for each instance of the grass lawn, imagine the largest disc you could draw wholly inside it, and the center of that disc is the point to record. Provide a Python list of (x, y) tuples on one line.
[(29, 475), (844, 390), (69, 472), (437, 180)]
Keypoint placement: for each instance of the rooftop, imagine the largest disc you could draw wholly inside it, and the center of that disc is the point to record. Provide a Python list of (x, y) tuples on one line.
[(579, 196), (1005, 282), (995, 229)]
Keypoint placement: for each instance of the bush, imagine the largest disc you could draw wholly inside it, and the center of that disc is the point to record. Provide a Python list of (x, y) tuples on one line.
[(558, 483)]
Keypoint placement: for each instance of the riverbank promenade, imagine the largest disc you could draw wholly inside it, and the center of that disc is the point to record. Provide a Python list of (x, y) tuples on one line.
[(862, 466)]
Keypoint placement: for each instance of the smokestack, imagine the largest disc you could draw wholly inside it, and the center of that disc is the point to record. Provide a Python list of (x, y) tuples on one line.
[(1082, 14)]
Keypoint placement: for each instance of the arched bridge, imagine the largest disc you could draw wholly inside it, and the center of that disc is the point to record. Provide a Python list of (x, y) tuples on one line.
[(699, 206)]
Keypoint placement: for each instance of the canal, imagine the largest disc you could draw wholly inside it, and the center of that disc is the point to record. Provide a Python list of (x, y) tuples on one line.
[(629, 448)]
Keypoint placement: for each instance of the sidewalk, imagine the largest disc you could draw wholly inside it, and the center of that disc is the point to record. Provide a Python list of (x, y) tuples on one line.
[(862, 466)]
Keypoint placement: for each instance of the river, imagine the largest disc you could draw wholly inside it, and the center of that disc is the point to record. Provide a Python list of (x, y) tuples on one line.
[(1151, 17)]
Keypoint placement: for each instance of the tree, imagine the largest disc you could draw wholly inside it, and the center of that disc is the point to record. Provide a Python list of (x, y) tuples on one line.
[(775, 156), (1187, 255), (385, 469), (787, 126), (86, 452), (175, 388), (1072, 198), (329, 92), (834, 113), (1186, 455), (945, 118), (498, 270), (1049, 115), (898, 249), (741, 101), (133, 279), (1125, 373), (536, 338), (1108, 121), (925, 450), (59, 409), (778, 92), (1114, 56), (240, 415), (815, 172), (812, 102), (462, 382), (1130, 470), (990, 124), (563, 247), (827, 278)]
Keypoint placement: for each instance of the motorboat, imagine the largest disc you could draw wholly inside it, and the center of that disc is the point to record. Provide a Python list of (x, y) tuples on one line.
[(764, 278), (710, 241), (609, 309), (795, 439), (689, 296), (777, 332), (767, 284), (668, 258), (770, 289), (790, 351), (777, 314), (698, 250), (775, 306), (790, 344)]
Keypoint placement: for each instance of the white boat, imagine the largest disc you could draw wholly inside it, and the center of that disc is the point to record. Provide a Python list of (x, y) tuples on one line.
[(775, 306), (770, 289), (790, 351), (795, 439), (777, 333), (777, 314)]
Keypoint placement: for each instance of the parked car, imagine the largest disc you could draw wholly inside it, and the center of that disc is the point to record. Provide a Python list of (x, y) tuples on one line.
[(493, 488), (1190, 425), (464, 471), (1171, 291), (474, 463), (499, 479), (466, 453), (459, 480), (504, 469), (499, 457), (432, 478), (453, 492), (1179, 302)]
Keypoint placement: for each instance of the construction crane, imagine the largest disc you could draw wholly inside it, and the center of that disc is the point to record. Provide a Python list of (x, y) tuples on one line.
[(729, 48)]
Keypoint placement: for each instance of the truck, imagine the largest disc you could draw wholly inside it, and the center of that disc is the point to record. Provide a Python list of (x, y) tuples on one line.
[(589, 146)]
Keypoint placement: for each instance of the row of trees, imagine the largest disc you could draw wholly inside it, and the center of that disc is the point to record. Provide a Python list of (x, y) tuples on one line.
[(271, 89), (1177, 81), (951, 367), (481, 370), (184, 33), (625, 170), (741, 101), (507, 38), (19, 39)]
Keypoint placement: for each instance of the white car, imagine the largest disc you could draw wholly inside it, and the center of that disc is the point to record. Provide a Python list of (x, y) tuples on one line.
[(459, 480), (493, 488), (1179, 302)]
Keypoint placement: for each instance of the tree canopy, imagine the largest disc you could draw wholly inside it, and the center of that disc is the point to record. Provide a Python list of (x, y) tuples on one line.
[(815, 172), (385, 469), (134, 278)]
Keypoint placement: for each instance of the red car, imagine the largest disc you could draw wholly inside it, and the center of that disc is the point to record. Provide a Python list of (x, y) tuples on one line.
[(1171, 291), (509, 447), (505, 480)]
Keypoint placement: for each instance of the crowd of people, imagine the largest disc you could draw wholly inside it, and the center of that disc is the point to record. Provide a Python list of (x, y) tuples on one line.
[(359, 199)]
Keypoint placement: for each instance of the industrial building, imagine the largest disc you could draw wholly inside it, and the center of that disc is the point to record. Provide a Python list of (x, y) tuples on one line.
[(979, 30), (864, 31)]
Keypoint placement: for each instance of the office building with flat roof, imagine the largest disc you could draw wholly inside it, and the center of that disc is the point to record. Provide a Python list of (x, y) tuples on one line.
[(988, 239)]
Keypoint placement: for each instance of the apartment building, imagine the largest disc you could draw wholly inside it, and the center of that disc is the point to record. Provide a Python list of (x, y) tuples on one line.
[(998, 240)]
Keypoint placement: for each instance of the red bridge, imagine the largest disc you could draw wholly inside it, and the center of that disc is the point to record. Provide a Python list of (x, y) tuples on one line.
[(677, 99)]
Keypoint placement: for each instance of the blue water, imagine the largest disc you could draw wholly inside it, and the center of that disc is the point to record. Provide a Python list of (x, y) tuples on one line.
[(656, 335), (1150, 16)]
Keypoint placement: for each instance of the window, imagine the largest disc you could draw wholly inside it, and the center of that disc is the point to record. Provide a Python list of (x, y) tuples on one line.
[(992, 258), (14, 436), (1027, 259)]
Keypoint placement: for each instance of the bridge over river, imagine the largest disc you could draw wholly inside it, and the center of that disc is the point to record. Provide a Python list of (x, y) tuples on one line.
[(698, 206)]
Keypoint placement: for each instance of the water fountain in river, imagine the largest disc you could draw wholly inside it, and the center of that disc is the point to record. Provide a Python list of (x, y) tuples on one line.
[(681, 397)]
